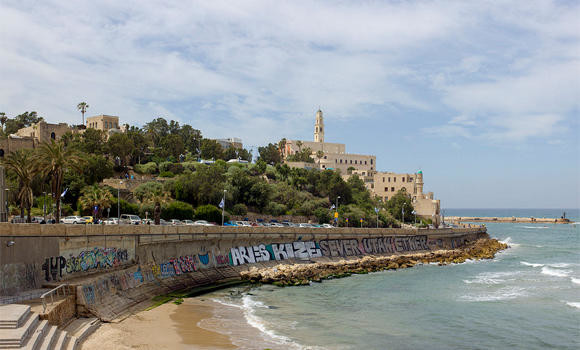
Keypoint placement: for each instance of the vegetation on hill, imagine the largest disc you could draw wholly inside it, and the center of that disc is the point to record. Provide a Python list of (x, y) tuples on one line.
[(181, 187)]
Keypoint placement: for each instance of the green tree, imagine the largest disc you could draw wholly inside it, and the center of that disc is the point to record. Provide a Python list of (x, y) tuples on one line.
[(83, 108), (157, 198), (20, 163), (178, 210), (3, 119), (95, 196), (120, 145), (211, 149), (21, 121), (401, 203), (270, 154), (210, 213), (53, 160), (171, 145)]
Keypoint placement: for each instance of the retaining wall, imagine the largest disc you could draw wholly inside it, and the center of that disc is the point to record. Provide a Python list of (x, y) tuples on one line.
[(115, 267)]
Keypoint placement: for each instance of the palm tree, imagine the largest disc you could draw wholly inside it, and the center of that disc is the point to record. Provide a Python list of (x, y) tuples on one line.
[(3, 119), (83, 108), (95, 196), (157, 197), (299, 144), (319, 155), (282, 147), (20, 162), (53, 159)]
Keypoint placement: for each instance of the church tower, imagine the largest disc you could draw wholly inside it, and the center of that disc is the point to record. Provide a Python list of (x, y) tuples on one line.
[(319, 127)]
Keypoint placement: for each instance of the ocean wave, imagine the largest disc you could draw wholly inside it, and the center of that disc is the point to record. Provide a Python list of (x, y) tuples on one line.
[(531, 264), (556, 273), (560, 265), (507, 293), (536, 227), (492, 277), (575, 280), (509, 242), (576, 305)]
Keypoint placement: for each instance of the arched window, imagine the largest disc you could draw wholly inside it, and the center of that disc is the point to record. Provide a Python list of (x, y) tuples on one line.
[(1, 153), (53, 135)]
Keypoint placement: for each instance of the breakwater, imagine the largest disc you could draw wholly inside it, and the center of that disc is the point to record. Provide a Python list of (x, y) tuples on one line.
[(118, 268), (511, 219), (303, 274)]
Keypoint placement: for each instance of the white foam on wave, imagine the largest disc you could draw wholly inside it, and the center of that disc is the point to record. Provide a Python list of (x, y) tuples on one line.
[(575, 280), (556, 273), (509, 242), (531, 264), (560, 265), (572, 304), (507, 293), (490, 278), (536, 227)]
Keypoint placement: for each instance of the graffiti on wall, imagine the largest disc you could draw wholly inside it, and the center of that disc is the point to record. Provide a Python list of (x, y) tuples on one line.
[(56, 267), (275, 251)]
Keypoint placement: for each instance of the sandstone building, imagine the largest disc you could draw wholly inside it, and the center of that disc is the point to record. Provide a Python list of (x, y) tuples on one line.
[(381, 184)]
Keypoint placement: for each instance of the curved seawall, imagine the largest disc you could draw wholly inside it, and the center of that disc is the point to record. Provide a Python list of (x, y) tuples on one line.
[(117, 268)]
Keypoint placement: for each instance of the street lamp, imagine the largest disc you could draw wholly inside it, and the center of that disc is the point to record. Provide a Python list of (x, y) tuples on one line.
[(44, 205), (377, 211), (119, 203), (7, 207), (337, 198), (223, 205)]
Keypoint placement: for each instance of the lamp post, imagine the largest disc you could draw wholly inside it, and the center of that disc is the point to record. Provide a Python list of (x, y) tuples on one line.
[(403, 213), (119, 203), (223, 203), (44, 206), (377, 211), (337, 198), (7, 207)]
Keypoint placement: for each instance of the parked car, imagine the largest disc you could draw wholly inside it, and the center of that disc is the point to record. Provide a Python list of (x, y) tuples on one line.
[(243, 223), (147, 222), (230, 223), (73, 220), (276, 224), (175, 222), (202, 223), (304, 224), (163, 222), (188, 222), (128, 219), (111, 221), (88, 219), (327, 226)]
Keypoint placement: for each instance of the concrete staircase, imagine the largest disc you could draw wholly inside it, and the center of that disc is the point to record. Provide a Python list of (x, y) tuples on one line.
[(22, 329)]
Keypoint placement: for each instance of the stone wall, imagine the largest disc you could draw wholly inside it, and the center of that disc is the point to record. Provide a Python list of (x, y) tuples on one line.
[(115, 267)]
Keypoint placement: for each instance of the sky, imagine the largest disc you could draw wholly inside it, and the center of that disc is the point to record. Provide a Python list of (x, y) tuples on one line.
[(482, 96)]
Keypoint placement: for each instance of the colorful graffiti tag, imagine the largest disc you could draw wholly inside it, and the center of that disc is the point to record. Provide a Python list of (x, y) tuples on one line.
[(97, 258), (275, 251)]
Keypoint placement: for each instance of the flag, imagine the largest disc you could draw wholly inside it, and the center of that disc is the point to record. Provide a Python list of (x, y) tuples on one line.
[(332, 207), (64, 192), (222, 203)]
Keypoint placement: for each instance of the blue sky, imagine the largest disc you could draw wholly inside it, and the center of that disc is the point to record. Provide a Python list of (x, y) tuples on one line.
[(483, 96)]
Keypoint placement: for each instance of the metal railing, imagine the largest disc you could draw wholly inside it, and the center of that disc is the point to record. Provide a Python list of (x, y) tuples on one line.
[(51, 293)]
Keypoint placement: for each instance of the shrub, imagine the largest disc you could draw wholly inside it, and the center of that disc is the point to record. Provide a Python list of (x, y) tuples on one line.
[(164, 166), (275, 209), (239, 209), (166, 174), (126, 208), (210, 213), (323, 215), (149, 168), (144, 189), (177, 210)]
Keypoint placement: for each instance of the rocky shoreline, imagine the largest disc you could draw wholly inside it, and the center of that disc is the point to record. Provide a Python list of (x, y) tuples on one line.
[(302, 274)]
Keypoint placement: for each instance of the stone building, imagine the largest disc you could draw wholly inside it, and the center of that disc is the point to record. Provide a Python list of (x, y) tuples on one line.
[(103, 122), (43, 131), (234, 142), (381, 184), (334, 155)]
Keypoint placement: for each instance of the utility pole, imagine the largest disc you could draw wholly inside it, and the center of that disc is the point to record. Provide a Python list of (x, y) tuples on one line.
[(223, 205), (119, 203), (377, 211), (336, 215), (44, 205)]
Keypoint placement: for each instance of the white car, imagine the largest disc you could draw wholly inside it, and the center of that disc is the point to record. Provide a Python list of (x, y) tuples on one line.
[(326, 226), (243, 223), (188, 222), (73, 220), (202, 223), (128, 219), (111, 221), (305, 225), (175, 222)]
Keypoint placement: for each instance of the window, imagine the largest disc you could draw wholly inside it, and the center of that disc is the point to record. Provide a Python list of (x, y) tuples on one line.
[(325, 157), (53, 135), (410, 179), (386, 189), (365, 162), (383, 179), (392, 189), (316, 129), (371, 161), (1, 153), (394, 179), (335, 161), (389, 179), (351, 161), (403, 179), (341, 161), (116, 126), (372, 185)]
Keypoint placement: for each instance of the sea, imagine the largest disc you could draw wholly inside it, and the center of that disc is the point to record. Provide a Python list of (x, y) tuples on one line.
[(528, 297)]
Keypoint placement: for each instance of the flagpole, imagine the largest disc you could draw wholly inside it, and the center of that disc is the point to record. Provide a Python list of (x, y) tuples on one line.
[(223, 206)]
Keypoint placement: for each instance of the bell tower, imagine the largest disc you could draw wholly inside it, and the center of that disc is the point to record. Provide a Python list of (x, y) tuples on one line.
[(319, 127)]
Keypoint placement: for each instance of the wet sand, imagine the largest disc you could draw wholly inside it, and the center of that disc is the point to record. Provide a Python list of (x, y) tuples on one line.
[(168, 326)]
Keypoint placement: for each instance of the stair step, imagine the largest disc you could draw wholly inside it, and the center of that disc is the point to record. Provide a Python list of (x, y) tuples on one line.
[(61, 341), (19, 335), (37, 336), (72, 343), (49, 338), (13, 315)]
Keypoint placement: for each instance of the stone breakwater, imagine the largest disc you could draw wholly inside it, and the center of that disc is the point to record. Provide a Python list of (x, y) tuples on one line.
[(302, 274)]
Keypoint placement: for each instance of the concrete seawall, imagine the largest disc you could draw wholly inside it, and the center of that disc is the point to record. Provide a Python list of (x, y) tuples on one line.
[(510, 219), (116, 267)]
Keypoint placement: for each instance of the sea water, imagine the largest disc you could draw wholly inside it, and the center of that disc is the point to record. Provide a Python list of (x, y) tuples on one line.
[(528, 297)]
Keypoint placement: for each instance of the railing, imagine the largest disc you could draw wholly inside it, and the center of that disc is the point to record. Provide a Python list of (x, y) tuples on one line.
[(51, 293)]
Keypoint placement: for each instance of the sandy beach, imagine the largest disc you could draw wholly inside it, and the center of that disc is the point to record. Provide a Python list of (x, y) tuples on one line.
[(168, 326)]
